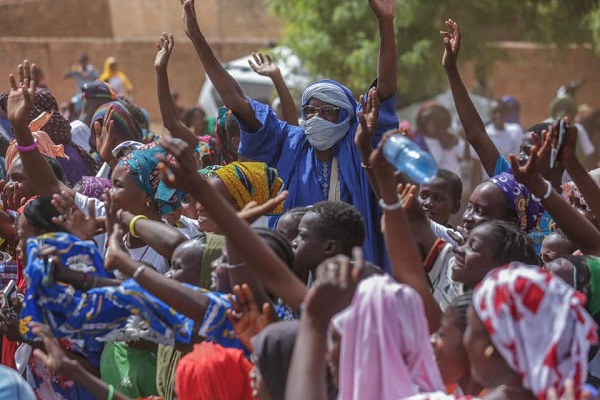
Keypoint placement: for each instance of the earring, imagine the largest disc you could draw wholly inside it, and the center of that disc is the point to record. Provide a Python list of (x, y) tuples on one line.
[(148, 203), (489, 351)]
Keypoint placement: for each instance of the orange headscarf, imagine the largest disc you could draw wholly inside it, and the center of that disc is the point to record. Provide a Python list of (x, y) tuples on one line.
[(211, 372), (44, 144)]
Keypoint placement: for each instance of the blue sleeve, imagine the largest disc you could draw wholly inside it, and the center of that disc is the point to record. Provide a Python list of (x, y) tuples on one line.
[(501, 166), (216, 325), (274, 137)]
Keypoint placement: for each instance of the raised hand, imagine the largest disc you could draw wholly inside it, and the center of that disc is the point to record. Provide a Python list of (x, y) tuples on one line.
[(264, 65), (54, 357), (106, 139), (451, 44), (21, 96), (72, 219), (337, 279), (165, 47), (566, 155), (190, 21), (383, 8), (178, 171), (377, 160), (253, 211), (116, 247), (12, 196), (368, 117), (245, 317), (529, 174)]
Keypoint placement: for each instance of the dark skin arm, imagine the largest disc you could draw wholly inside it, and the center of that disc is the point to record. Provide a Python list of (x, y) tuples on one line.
[(160, 236), (567, 158), (387, 63), (332, 292), (226, 86), (475, 132), (268, 268), (19, 105), (168, 111), (407, 266), (264, 66), (183, 299), (58, 361), (577, 228)]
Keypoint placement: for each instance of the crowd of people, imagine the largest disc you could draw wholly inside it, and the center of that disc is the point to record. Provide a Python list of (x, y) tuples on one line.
[(278, 257)]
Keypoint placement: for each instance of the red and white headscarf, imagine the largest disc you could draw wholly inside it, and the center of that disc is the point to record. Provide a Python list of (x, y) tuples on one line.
[(539, 325)]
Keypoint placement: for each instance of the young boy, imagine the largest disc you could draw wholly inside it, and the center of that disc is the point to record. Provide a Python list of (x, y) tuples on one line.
[(441, 198), (328, 228)]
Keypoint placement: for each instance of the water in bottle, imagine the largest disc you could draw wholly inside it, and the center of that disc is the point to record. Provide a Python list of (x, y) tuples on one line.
[(408, 157)]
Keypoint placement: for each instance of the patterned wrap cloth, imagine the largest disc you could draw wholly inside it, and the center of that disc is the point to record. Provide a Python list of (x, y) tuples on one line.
[(142, 166), (92, 186), (105, 312), (249, 181), (539, 325), (126, 128), (529, 211)]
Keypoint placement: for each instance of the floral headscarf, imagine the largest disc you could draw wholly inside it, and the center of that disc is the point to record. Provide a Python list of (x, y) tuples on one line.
[(92, 186), (126, 127), (249, 181), (539, 325), (142, 166), (528, 211)]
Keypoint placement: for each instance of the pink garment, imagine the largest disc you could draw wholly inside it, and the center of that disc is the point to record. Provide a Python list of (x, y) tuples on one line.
[(386, 353), (539, 325)]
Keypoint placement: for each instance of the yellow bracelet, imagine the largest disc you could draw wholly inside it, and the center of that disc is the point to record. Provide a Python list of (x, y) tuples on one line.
[(132, 224)]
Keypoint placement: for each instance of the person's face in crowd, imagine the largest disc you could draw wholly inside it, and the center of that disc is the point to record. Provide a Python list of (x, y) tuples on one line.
[(562, 268), (205, 221), (476, 257), (450, 354), (525, 150), (113, 66), (555, 246), (199, 123), (257, 382), (127, 195), (24, 231), (498, 115), (310, 247), (328, 116), (16, 174), (334, 346), (487, 202), (188, 207), (475, 340), (173, 217), (288, 226), (185, 262), (437, 202), (219, 278)]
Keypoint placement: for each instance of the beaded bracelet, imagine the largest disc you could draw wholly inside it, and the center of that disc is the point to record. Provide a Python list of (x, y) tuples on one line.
[(391, 207), (546, 195)]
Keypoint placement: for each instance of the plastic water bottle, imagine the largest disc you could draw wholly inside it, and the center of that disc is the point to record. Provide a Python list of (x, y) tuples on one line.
[(409, 158)]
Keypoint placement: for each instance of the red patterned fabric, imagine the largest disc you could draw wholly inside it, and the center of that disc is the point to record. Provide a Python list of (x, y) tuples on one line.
[(539, 325)]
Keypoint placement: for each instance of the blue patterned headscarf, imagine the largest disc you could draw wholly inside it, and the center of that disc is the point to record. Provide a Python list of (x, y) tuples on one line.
[(528, 211), (105, 312), (142, 166)]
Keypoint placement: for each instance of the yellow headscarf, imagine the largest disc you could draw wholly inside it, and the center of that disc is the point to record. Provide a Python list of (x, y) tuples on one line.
[(251, 181)]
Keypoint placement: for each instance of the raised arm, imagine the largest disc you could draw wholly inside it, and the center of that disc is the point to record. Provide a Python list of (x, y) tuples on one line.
[(568, 159), (407, 266), (18, 108), (475, 132), (268, 268), (266, 67), (387, 65), (168, 111), (577, 228), (226, 86), (368, 116)]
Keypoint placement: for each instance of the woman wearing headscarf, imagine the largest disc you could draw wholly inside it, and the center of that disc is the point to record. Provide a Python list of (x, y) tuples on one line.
[(78, 162), (386, 352), (318, 160), (116, 78), (509, 354), (213, 372)]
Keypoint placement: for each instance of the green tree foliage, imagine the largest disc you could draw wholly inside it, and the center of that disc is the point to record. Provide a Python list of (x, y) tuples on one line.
[(339, 39)]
